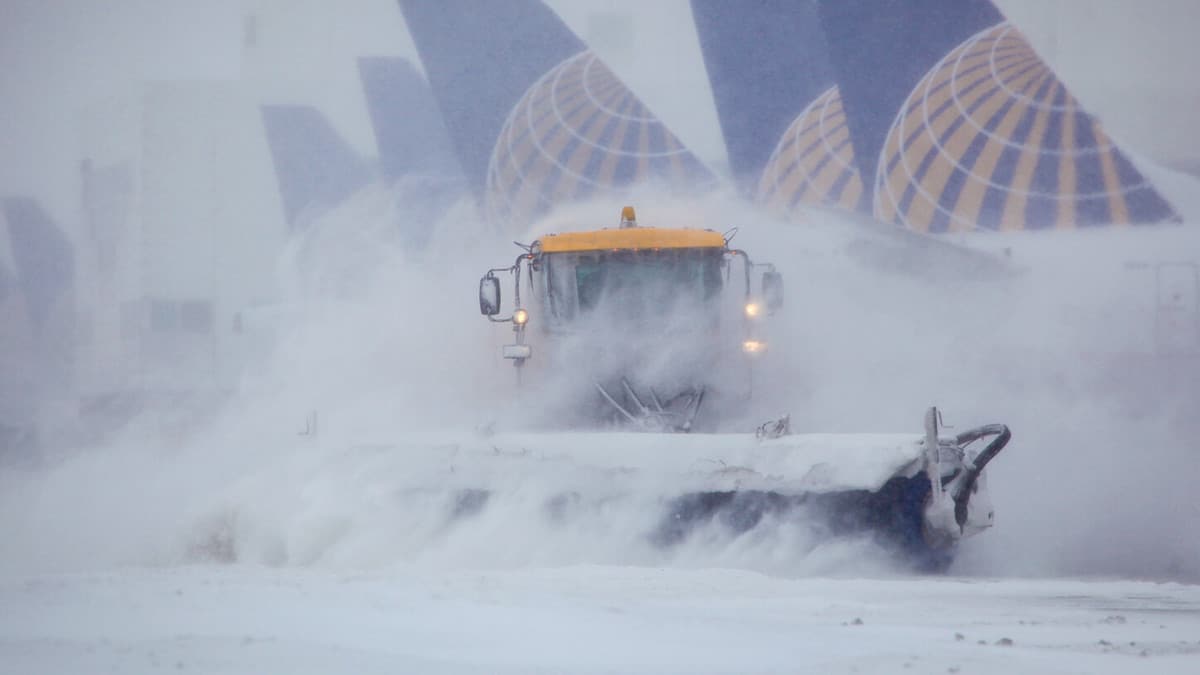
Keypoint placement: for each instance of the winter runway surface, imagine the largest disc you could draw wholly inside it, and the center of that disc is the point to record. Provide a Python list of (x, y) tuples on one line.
[(587, 619)]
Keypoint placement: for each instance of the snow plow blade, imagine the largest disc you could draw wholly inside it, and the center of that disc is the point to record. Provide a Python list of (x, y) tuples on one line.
[(810, 463), (879, 484)]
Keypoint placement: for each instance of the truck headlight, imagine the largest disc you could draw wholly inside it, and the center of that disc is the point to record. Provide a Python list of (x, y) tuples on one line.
[(520, 316), (754, 346), (753, 310)]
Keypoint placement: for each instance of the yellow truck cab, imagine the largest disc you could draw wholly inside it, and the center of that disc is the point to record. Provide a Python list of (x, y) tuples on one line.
[(628, 304)]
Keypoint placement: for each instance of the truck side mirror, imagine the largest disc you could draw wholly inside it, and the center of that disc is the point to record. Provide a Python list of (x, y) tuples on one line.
[(772, 290), (489, 296)]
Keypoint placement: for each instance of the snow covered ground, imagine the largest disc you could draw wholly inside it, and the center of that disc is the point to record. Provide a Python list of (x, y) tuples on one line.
[(587, 619)]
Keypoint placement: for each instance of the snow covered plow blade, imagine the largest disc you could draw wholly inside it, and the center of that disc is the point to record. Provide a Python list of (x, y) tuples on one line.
[(916, 495), (875, 485)]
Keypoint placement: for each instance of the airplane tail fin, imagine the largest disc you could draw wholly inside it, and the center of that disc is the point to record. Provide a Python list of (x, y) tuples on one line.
[(536, 119), (957, 124), (42, 255), (766, 62), (480, 58), (314, 165), (933, 114), (409, 130)]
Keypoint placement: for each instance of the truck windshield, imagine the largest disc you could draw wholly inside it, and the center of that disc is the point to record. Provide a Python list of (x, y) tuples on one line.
[(639, 284)]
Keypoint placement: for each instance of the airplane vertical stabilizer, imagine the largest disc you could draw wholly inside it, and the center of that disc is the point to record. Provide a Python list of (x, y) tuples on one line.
[(480, 58), (315, 167), (43, 257), (957, 124), (766, 62), (536, 119), (409, 130), (37, 316), (779, 104)]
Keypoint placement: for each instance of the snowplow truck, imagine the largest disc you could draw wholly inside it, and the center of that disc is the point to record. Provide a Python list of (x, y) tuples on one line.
[(653, 339), (629, 326)]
